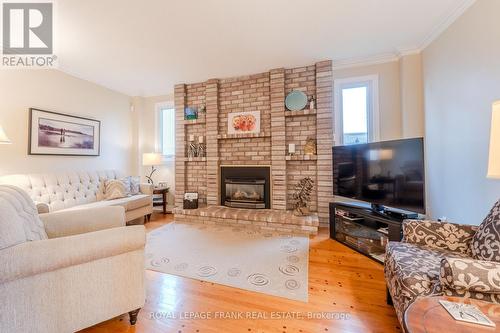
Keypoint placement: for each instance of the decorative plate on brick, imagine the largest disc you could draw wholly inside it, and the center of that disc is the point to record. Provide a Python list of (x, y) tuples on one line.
[(296, 100)]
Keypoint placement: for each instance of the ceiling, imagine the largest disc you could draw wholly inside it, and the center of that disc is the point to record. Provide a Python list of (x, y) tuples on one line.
[(144, 47)]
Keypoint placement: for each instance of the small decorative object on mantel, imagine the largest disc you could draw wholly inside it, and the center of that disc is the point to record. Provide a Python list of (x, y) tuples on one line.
[(312, 103), (302, 196), (192, 150), (190, 200), (203, 109), (201, 148), (310, 146), (296, 100), (291, 149), (190, 113)]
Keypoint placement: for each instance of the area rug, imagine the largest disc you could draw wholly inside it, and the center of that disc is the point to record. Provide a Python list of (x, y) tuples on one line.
[(265, 262)]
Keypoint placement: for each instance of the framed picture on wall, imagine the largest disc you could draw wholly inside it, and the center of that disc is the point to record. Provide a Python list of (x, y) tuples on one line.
[(52, 133), (243, 122)]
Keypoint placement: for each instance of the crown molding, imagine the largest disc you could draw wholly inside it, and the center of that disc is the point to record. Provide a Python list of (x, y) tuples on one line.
[(446, 22), (365, 61)]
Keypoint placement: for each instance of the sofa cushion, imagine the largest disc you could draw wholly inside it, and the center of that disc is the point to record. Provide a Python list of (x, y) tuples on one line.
[(412, 270), (486, 241), (129, 203), (114, 189), (18, 213)]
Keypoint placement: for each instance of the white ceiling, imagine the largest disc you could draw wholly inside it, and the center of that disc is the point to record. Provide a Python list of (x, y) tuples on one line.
[(143, 48)]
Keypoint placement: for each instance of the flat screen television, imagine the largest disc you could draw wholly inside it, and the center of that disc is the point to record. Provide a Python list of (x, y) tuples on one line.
[(389, 173)]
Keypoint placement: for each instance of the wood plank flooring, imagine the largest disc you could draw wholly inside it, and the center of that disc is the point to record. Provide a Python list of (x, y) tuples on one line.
[(342, 282)]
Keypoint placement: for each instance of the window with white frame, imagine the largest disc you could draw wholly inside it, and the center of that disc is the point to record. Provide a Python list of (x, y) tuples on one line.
[(356, 110), (166, 137)]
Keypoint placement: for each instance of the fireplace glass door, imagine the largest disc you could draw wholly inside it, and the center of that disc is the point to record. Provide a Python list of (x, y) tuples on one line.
[(245, 193)]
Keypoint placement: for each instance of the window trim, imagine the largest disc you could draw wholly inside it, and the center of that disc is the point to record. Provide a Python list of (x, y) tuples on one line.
[(371, 81), (159, 107)]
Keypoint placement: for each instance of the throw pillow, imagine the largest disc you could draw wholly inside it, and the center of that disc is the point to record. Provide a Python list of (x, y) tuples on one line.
[(135, 185), (486, 241), (114, 189), (18, 209), (126, 181)]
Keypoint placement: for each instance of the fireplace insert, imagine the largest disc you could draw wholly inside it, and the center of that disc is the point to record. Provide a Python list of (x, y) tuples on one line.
[(245, 193), (245, 187)]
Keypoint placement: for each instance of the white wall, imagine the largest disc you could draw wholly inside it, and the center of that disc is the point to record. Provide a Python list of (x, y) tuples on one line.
[(145, 115), (412, 96), (53, 90), (461, 79)]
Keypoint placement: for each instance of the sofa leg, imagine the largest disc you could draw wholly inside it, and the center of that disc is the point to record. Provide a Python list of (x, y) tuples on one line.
[(149, 217), (388, 297), (133, 316)]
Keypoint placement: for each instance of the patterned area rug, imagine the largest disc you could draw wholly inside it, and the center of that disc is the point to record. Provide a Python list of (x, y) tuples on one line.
[(265, 262)]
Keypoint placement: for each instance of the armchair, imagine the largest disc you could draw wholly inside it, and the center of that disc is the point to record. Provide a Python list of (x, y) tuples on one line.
[(88, 268), (436, 258)]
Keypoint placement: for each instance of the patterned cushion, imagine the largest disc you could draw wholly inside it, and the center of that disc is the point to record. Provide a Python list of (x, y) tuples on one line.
[(412, 270), (19, 219), (486, 241), (114, 189), (126, 182), (135, 185), (439, 235), (463, 275)]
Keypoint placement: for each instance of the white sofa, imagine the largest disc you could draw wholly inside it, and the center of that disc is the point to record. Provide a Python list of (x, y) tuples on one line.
[(79, 190), (74, 270)]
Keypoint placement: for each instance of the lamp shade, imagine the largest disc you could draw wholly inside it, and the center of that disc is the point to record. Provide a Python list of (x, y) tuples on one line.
[(149, 159), (494, 158), (3, 137)]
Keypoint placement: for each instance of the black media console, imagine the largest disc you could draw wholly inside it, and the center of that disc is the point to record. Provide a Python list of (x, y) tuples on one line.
[(363, 230)]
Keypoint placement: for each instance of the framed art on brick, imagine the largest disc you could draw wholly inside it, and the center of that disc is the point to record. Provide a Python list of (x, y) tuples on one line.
[(243, 122)]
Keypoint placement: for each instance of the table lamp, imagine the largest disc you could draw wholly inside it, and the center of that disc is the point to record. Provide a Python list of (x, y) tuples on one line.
[(494, 156), (151, 159), (3, 137)]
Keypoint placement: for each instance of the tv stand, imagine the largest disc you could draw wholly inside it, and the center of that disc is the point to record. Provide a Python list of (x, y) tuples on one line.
[(363, 229)]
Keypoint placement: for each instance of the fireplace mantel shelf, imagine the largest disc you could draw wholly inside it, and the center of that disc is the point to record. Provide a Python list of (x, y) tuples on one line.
[(242, 136), (194, 121), (305, 112), (301, 157), (194, 159)]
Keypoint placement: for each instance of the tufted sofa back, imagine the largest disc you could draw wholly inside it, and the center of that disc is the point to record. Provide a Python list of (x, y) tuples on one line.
[(62, 190)]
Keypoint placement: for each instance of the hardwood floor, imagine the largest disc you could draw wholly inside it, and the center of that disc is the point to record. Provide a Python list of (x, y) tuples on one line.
[(341, 283)]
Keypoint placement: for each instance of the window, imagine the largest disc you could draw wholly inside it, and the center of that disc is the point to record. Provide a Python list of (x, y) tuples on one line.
[(167, 131), (356, 111)]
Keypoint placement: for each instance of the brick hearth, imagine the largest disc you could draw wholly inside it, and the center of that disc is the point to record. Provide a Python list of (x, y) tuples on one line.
[(259, 219), (264, 92)]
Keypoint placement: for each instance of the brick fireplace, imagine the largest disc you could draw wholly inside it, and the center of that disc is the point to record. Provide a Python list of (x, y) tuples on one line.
[(264, 92)]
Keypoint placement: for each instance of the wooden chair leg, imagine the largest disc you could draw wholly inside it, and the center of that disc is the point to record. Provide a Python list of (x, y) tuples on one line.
[(133, 316)]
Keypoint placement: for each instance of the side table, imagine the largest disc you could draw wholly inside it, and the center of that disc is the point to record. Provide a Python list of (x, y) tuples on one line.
[(427, 315), (161, 201)]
